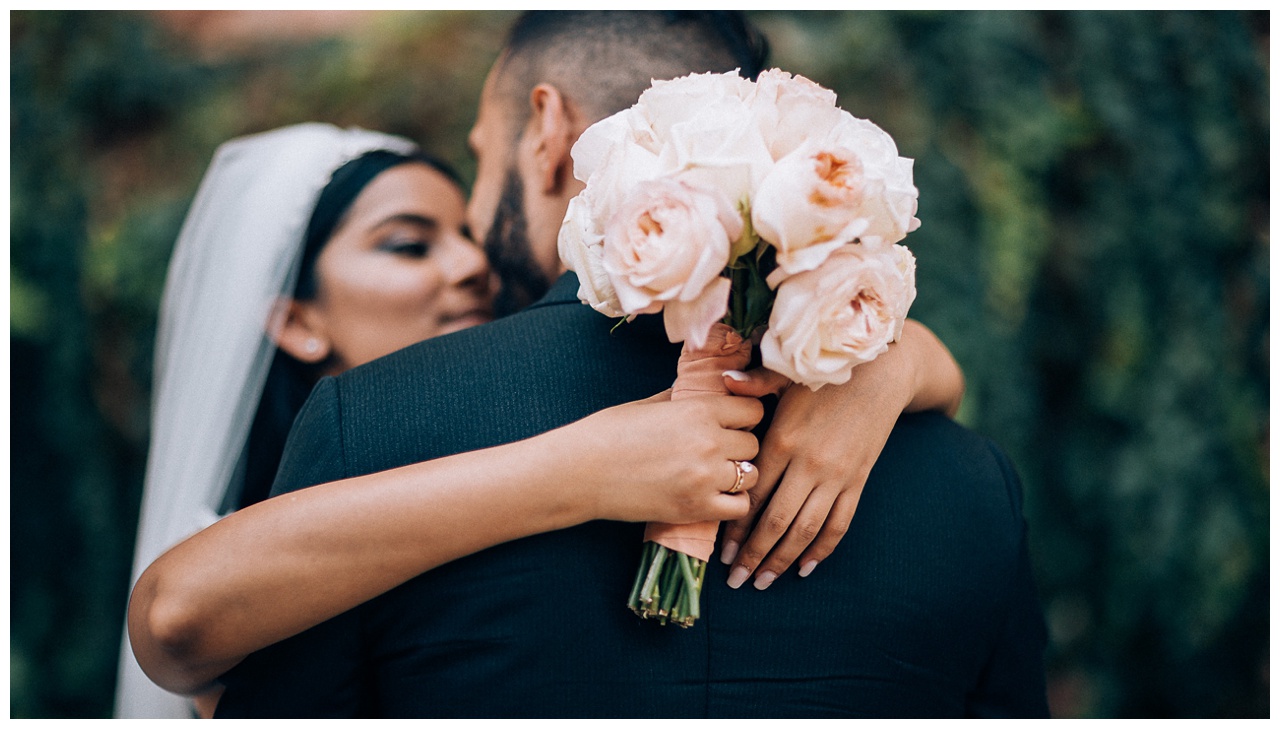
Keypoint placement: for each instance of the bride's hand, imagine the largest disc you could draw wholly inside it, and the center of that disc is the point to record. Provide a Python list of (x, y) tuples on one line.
[(658, 460), (820, 448)]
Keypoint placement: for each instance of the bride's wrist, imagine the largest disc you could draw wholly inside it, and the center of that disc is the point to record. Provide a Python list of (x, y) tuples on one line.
[(899, 371), (913, 365), (935, 381), (569, 496)]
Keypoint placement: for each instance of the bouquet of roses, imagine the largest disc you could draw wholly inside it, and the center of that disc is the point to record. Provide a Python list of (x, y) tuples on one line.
[(742, 210)]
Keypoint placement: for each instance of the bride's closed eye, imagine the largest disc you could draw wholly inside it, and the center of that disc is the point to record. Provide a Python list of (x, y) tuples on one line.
[(407, 235), (406, 246)]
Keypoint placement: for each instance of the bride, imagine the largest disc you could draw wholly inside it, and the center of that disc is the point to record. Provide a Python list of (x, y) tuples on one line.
[(309, 250)]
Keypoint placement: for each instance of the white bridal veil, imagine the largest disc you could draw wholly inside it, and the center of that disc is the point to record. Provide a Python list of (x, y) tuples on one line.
[(238, 251)]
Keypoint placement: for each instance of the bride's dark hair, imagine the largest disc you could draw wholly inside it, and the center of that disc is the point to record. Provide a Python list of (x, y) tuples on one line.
[(289, 381)]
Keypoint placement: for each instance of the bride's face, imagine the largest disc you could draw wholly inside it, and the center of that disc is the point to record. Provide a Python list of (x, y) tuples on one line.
[(398, 269)]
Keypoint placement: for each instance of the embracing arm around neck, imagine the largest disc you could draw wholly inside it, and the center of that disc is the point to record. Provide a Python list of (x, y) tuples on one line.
[(291, 562), (820, 447)]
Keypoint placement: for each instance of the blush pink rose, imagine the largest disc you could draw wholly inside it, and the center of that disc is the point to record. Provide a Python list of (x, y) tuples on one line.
[(849, 185), (891, 202), (829, 320), (791, 110), (664, 250), (811, 203)]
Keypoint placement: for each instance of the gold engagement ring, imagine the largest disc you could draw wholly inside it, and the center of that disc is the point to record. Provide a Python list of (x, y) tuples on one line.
[(743, 468)]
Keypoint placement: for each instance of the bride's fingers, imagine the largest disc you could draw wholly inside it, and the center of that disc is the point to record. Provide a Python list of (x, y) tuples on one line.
[(775, 519), (737, 413), (726, 503), (832, 532), (725, 507), (817, 520), (770, 465), (737, 445), (755, 383), (743, 478)]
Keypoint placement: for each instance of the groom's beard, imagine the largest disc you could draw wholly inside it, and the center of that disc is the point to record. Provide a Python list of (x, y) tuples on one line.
[(510, 256)]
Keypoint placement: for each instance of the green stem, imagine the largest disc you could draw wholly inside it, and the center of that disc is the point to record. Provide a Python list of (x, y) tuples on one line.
[(737, 308), (633, 601), (692, 589), (655, 569), (670, 587)]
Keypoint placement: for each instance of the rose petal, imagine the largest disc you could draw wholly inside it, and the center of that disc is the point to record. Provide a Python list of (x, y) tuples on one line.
[(691, 320)]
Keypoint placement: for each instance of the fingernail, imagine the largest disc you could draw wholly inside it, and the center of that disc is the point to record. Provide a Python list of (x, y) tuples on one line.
[(738, 576), (764, 579), (736, 375), (729, 552), (807, 567)]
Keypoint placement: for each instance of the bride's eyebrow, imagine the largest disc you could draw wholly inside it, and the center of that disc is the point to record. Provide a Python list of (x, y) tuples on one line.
[(412, 219)]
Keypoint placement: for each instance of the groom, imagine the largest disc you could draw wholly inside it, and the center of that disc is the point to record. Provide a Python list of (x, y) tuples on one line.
[(926, 609)]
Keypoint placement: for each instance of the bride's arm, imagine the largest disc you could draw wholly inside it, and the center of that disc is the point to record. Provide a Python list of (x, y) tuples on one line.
[(820, 447), (281, 566)]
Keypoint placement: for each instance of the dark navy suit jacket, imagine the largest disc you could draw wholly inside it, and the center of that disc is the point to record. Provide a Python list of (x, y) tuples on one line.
[(926, 608)]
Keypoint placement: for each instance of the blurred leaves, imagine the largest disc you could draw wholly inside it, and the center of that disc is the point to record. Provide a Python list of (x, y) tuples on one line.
[(1094, 191)]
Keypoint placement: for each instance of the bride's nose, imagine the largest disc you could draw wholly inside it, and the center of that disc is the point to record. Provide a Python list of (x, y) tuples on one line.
[(469, 268)]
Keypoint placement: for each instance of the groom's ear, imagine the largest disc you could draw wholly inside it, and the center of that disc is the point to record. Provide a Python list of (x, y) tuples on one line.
[(297, 329), (551, 135)]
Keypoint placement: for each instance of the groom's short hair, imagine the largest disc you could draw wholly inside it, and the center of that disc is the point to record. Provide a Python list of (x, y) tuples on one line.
[(602, 60)]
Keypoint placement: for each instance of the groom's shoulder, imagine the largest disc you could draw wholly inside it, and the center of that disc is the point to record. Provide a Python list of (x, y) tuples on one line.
[(504, 344), (946, 462), (524, 334), (549, 346)]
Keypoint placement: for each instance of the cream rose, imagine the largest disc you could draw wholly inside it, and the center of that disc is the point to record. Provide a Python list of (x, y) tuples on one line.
[(849, 185), (624, 135), (624, 166), (581, 245), (703, 130), (891, 200), (827, 321), (596, 141), (665, 248), (612, 179), (792, 109), (667, 103)]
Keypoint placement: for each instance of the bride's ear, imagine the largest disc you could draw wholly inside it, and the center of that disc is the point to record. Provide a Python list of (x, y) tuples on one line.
[(297, 329), (551, 133)]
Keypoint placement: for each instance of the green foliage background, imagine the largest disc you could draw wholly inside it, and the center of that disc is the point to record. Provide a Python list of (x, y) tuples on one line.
[(1094, 189)]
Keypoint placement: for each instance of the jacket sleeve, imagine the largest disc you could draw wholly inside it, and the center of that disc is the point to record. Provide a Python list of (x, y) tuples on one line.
[(315, 673), (1012, 683)]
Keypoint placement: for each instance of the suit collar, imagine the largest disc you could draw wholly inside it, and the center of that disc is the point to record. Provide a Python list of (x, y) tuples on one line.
[(563, 291)]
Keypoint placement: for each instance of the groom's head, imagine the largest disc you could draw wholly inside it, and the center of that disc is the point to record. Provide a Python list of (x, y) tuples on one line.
[(560, 72)]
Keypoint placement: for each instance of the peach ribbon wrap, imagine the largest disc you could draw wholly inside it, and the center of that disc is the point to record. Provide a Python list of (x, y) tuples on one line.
[(700, 373)]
